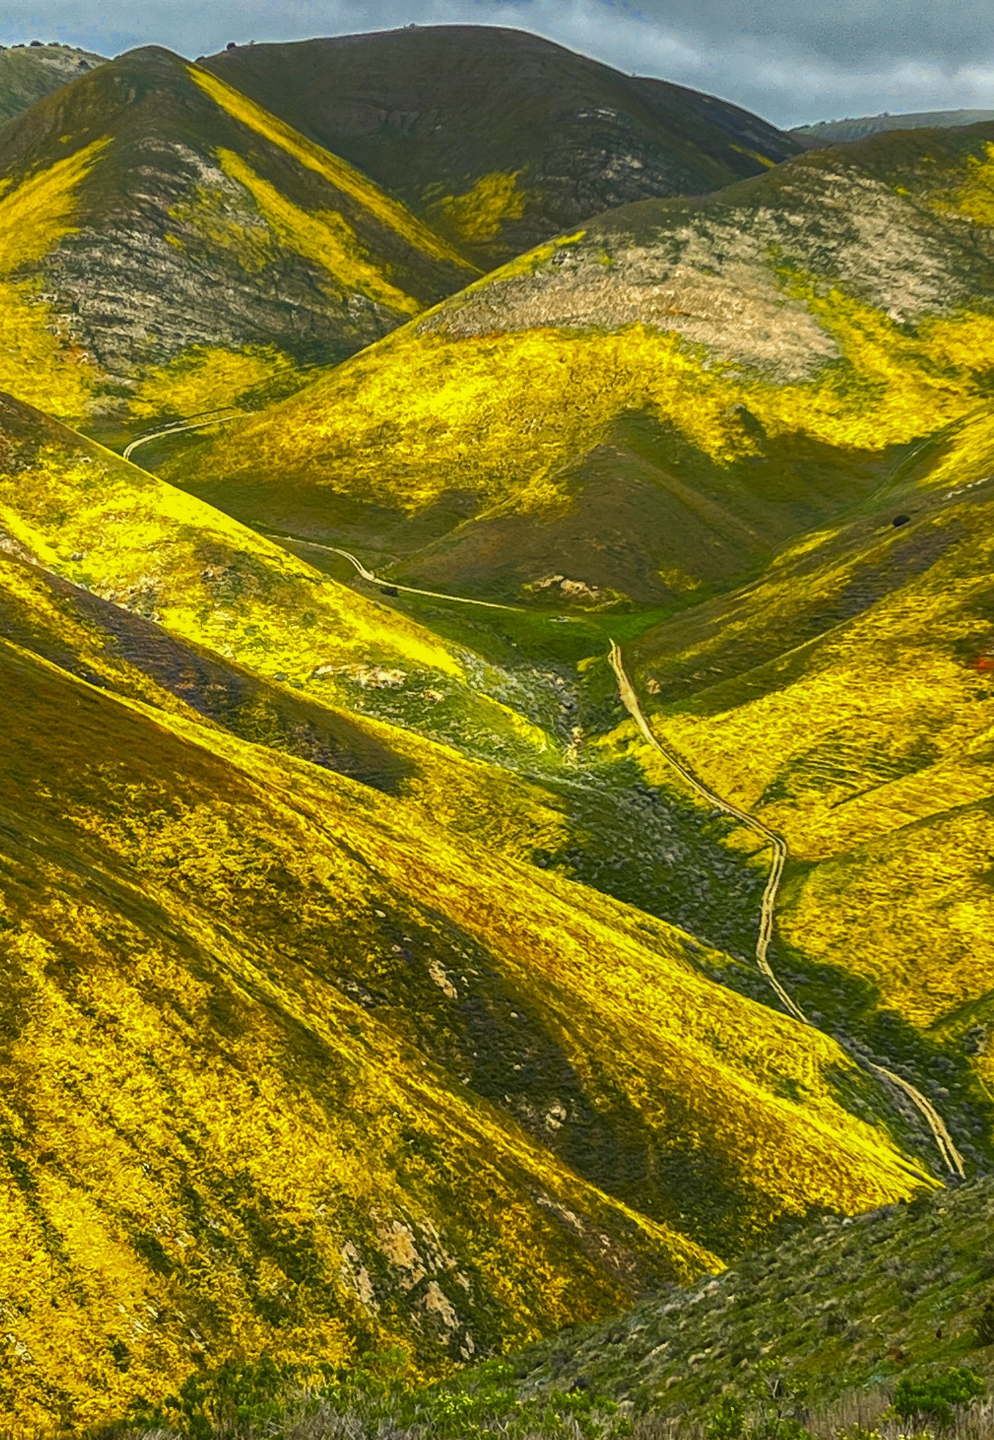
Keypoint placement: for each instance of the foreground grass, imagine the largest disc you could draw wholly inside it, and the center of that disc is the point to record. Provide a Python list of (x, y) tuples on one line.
[(876, 1327)]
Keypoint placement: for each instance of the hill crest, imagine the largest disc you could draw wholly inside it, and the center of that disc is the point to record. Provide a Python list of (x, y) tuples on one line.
[(656, 402), (194, 247), (497, 137)]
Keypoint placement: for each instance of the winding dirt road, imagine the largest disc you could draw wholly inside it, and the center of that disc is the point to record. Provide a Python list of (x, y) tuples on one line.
[(178, 429), (951, 1157), (391, 585)]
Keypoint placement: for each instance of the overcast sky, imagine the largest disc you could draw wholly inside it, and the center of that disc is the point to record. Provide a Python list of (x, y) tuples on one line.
[(793, 61)]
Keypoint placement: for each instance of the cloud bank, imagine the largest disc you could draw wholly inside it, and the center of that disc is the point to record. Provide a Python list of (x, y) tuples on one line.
[(789, 60)]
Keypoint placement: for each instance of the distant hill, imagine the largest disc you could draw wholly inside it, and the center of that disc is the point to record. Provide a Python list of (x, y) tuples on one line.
[(30, 72), (837, 132), (496, 137), (166, 248), (649, 407)]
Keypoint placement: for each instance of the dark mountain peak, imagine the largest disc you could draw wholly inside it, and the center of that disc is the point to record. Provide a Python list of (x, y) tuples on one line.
[(497, 137)]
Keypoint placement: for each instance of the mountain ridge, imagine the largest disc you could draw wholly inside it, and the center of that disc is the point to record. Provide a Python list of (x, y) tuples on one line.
[(857, 128), (498, 137), (190, 243), (654, 403)]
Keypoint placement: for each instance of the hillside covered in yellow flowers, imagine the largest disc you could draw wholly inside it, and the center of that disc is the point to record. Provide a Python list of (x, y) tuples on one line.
[(169, 249), (367, 977), (302, 1052), (657, 401)]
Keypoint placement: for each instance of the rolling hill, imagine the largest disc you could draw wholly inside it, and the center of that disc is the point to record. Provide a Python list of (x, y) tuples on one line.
[(168, 249), (30, 72), (301, 1053), (839, 1312), (645, 410), (500, 139)]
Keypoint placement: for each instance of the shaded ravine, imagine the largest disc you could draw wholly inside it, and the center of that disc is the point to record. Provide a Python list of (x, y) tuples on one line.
[(951, 1156)]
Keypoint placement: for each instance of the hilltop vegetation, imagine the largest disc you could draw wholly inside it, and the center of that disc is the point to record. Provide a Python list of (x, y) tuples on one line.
[(837, 132), (168, 249), (30, 72), (500, 139)]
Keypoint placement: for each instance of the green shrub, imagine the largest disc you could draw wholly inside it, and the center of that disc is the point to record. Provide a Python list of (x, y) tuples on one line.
[(726, 1421), (985, 1325), (771, 1409), (236, 1399), (935, 1398)]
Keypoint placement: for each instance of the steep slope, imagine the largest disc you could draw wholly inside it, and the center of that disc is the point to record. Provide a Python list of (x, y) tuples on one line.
[(168, 249), (211, 1144), (294, 1043), (814, 1334), (30, 72), (838, 132), (499, 138), (844, 698), (655, 403), (127, 537)]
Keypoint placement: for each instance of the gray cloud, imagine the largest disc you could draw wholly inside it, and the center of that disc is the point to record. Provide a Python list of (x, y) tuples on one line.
[(790, 60)]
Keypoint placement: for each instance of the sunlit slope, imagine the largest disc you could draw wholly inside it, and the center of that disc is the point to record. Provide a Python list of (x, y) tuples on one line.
[(115, 647), (217, 1139), (497, 137), (128, 537), (846, 699), (167, 248), (30, 72), (658, 401), (274, 1047)]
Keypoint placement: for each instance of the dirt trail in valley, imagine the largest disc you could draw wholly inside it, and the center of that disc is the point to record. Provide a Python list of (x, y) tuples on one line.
[(951, 1157), (178, 429), (391, 587)]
